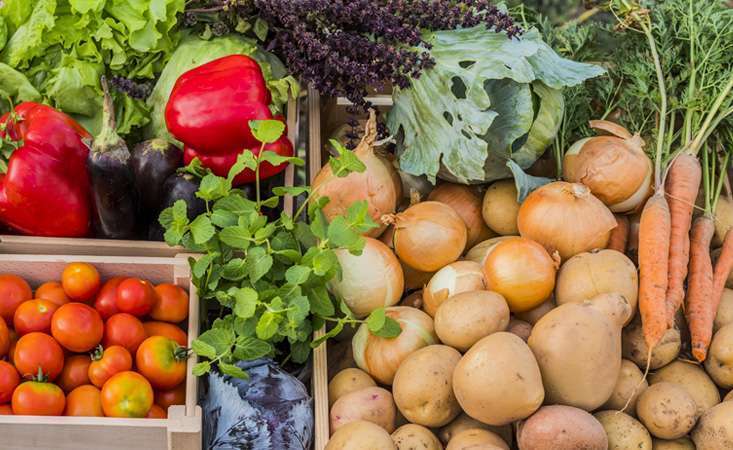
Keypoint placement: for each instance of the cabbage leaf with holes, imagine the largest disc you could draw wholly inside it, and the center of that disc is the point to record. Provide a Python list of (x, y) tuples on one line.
[(488, 100)]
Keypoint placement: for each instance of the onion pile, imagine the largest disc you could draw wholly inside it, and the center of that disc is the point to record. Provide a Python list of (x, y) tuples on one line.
[(567, 218), (500, 207), (467, 205), (522, 271), (480, 251), (369, 281), (379, 184), (615, 168), (428, 235), (455, 278), (380, 357)]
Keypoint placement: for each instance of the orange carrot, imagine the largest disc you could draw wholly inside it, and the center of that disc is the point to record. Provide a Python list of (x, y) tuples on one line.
[(722, 270), (699, 312), (619, 235), (683, 182), (654, 230)]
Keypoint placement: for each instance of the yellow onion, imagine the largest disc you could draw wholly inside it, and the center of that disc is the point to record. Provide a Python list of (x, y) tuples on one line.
[(467, 205), (587, 275), (379, 184), (615, 168), (428, 235), (480, 251), (455, 278), (369, 281), (522, 271), (380, 357), (565, 217), (500, 207)]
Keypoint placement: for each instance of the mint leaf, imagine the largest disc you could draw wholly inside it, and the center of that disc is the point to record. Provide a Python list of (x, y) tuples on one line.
[(276, 160), (320, 302), (203, 349), (236, 204), (175, 221), (245, 160), (357, 215), (271, 202), (290, 190), (376, 320), (258, 263), (297, 275), (236, 237), (223, 218), (248, 348), (201, 368), (201, 265), (340, 233), (202, 229), (300, 351), (390, 329), (245, 302), (221, 339), (267, 131), (234, 269), (324, 261), (213, 188), (319, 225), (347, 161), (267, 325), (232, 371), (298, 308), (333, 332), (265, 232)]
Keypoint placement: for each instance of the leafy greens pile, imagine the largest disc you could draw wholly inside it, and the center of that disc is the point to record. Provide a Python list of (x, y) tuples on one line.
[(269, 278), (488, 100)]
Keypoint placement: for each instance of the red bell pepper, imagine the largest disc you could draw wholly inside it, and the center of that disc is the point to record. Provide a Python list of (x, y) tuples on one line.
[(45, 191), (210, 106), (220, 164)]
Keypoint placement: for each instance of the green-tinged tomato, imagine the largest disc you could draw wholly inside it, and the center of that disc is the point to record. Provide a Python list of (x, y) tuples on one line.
[(127, 394), (162, 361), (35, 398)]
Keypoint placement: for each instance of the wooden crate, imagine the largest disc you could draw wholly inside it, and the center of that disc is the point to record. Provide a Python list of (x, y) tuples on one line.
[(180, 431)]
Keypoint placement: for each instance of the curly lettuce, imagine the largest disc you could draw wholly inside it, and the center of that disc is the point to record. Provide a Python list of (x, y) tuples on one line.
[(488, 100)]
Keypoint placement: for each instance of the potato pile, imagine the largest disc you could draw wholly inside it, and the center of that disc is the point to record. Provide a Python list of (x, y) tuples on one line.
[(523, 342)]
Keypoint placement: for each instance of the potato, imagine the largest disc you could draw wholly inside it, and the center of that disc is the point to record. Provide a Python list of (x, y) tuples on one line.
[(423, 386), (728, 396), (667, 410), (415, 437), (723, 219), (623, 431), (719, 362), (476, 438), (586, 275), (413, 300), (361, 435), (535, 314), (724, 316), (373, 404), (498, 380), (578, 349), (630, 383), (465, 318), (683, 443), (464, 422), (520, 328), (695, 381), (561, 427), (714, 431), (347, 381), (635, 349), (500, 207)]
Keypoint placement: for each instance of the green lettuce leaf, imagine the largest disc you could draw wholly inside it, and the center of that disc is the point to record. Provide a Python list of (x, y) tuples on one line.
[(14, 84), (28, 40), (480, 105), (3, 32)]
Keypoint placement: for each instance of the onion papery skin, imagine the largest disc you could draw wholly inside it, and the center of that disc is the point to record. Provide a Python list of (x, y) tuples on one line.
[(467, 204), (369, 281), (567, 218), (615, 168), (380, 357), (429, 235), (522, 271), (379, 185), (455, 278), (480, 251)]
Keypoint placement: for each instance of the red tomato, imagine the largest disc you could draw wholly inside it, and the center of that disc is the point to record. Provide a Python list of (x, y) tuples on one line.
[(171, 304), (35, 398), (166, 329), (106, 302), (34, 315), (108, 362), (167, 397), (36, 351), (9, 380), (127, 394), (125, 330), (5, 338), (53, 292), (77, 327), (75, 372), (156, 412), (80, 281), (85, 400), (135, 296), (6, 410), (13, 291), (162, 361)]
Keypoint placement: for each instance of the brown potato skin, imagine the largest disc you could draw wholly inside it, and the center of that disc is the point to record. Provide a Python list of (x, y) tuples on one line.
[(464, 422), (667, 410), (719, 363), (630, 384), (412, 436), (520, 328), (465, 318), (623, 431), (372, 404), (361, 435), (676, 444), (347, 381), (561, 427), (634, 348), (477, 438), (422, 386), (714, 430), (693, 379)]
